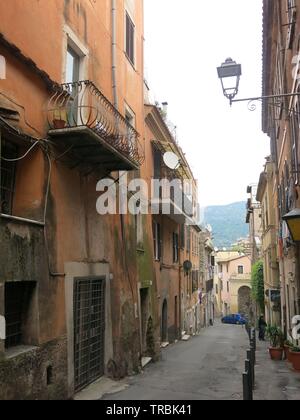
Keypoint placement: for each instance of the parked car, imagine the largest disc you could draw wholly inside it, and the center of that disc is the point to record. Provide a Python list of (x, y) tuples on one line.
[(234, 319)]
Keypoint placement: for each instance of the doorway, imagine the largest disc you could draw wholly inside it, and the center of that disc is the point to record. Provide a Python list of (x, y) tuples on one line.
[(89, 330), (164, 322)]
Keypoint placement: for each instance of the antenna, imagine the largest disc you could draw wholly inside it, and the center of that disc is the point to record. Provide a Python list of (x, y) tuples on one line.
[(171, 160)]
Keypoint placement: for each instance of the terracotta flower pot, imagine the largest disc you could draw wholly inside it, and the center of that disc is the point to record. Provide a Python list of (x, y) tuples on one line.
[(276, 353), (58, 124), (295, 359), (288, 355), (286, 349)]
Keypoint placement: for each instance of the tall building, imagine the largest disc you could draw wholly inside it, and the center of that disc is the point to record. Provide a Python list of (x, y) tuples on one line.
[(269, 246), (71, 115), (253, 218), (280, 120)]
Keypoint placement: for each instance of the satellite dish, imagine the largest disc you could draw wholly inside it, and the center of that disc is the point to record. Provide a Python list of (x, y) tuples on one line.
[(171, 160), (187, 266)]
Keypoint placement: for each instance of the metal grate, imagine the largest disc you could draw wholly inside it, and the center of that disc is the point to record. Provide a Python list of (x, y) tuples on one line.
[(89, 311), (17, 301)]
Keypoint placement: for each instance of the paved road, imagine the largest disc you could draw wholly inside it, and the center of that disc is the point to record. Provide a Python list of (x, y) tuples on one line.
[(206, 367)]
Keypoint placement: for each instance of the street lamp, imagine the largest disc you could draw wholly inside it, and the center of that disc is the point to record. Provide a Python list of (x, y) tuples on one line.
[(293, 221), (229, 73)]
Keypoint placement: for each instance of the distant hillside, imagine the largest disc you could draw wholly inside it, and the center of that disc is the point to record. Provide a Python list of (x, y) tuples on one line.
[(228, 223)]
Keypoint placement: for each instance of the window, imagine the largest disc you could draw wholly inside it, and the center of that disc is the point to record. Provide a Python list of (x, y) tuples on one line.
[(129, 38), (18, 297), (8, 172), (221, 285), (182, 236), (220, 268), (175, 248), (130, 118), (157, 161), (294, 127), (72, 66), (228, 287), (157, 241), (240, 269), (291, 10), (217, 289), (188, 238), (195, 281), (138, 222)]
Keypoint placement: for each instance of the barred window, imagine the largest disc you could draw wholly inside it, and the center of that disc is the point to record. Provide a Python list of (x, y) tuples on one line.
[(18, 297), (8, 171)]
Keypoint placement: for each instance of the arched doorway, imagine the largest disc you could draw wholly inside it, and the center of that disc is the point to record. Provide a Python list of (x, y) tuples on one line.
[(244, 300), (164, 322)]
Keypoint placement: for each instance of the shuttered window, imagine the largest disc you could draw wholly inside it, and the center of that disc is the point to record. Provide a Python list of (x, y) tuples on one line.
[(129, 38)]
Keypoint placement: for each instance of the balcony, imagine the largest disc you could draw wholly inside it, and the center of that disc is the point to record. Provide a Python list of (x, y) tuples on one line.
[(175, 205), (90, 130)]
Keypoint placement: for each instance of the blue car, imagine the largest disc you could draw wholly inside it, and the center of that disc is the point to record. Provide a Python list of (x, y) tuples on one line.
[(237, 319)]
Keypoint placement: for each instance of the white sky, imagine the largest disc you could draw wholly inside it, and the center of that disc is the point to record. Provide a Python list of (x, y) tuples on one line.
[(185, 42)]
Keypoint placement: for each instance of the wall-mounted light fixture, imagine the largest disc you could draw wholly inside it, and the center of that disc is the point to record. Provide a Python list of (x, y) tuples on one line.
[(229, 73)]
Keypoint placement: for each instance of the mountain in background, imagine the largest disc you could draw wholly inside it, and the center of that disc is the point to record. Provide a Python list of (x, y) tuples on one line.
[(227, 222)]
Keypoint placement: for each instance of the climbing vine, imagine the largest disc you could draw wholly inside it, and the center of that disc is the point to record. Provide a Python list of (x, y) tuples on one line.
[(257, 282)]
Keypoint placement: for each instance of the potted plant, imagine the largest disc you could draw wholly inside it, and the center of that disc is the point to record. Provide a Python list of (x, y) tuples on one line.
[(295, 357), (276, 342), (59, 118)]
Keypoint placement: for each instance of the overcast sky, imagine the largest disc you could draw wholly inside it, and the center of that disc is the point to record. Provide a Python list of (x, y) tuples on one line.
[(185, 42)]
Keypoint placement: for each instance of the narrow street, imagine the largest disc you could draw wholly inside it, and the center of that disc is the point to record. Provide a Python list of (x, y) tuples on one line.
[(207, 367)]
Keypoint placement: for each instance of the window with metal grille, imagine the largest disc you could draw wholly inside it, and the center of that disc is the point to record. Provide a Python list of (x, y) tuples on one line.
[(241, 269), (129, 38), (18, 296), (8, 171)]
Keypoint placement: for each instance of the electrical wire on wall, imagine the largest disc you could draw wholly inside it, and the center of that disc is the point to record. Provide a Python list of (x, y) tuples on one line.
[(42, 143)]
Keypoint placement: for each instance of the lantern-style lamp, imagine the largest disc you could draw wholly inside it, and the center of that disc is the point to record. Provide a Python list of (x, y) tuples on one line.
[(293, 221), (229, 73)]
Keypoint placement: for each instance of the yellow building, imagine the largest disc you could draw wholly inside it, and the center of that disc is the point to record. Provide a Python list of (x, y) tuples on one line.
[(269, 243), (233, 283)]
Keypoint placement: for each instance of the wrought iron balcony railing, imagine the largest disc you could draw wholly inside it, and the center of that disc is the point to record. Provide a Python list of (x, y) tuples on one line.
[(81, 104)]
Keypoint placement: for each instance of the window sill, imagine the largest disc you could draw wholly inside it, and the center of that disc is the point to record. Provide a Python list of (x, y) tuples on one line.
[(18, 350), (130, 61)]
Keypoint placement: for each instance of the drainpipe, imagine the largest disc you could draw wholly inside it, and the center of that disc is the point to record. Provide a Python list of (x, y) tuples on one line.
[(114, 52)]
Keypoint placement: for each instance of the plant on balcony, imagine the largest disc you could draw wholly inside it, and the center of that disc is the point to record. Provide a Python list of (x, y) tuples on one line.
[(276, 338), (257, 283), (59, 118), (295, 357)]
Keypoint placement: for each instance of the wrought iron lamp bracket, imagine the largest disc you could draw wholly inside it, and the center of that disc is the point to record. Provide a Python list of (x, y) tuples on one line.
[(273, 100)]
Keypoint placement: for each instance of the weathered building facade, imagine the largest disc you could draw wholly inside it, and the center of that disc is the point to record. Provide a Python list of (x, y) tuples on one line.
[(280, 121), (72, 295), (269, 246), (233, 283), (253, 218), (208, 301), (175, 232)]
